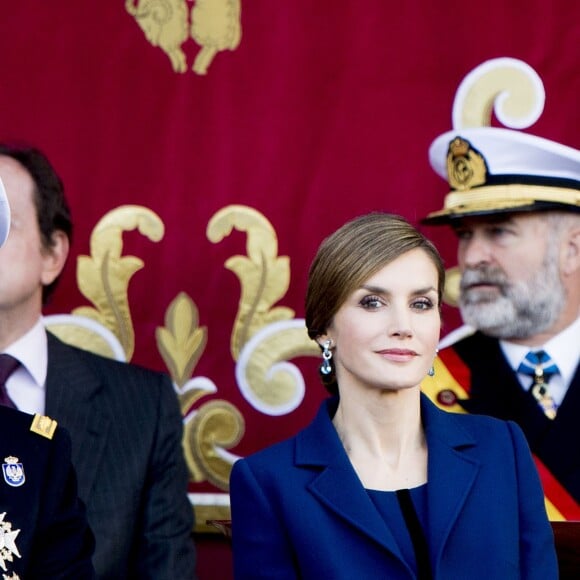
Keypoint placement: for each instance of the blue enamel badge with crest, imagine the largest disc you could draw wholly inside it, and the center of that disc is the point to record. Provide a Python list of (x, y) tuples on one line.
[(13, 472)]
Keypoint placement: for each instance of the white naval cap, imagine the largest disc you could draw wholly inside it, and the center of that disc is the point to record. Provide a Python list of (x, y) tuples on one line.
[(493, 170)]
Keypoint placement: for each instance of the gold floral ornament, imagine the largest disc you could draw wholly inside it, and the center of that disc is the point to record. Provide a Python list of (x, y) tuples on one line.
[(264, 276), (103, 277), (85, 333), (265, 378), (213, 428), (216, 425), (181, 343), (215, 26), (452, 286), (264, 336)]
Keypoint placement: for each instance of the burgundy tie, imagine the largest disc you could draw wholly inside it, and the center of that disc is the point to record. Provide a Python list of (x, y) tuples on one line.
[(8, 364)]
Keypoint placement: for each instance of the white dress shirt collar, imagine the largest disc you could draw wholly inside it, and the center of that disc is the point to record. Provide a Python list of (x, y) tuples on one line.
[(26, 387)]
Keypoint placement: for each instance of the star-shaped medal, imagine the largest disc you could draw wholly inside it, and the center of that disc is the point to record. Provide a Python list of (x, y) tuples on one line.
[(8, 547)]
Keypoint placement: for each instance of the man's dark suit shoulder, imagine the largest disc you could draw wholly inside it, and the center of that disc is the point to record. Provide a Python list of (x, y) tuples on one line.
[(475, 349), (126, 427), (103, 366)]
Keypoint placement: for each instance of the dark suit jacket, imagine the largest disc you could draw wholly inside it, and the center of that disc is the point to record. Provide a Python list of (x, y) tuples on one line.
[(495, 391), (43, 525), (126, 431), (300, 511)]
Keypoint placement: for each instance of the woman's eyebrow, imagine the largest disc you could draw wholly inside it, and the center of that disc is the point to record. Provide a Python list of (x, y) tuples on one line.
[(381, 290)]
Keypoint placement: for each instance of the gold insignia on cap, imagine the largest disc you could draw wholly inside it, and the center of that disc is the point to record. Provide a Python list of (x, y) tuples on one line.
[(43, 425), (466, 167)]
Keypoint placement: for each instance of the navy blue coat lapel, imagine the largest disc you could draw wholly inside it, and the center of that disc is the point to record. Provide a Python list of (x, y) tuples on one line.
[(451, 474), (337, 486), (72, 398)]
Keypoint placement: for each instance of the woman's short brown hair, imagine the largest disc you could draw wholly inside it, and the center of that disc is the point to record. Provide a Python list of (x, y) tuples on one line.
[(353, 254)]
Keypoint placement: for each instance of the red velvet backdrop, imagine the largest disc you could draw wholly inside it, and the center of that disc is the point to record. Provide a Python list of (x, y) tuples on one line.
[(324, 111)]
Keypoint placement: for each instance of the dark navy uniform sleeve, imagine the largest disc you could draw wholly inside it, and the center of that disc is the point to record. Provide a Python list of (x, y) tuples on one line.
[(42, 521), (63, 543)]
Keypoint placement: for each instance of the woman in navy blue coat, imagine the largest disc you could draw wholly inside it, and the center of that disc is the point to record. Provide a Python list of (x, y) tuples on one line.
[(383, 484)]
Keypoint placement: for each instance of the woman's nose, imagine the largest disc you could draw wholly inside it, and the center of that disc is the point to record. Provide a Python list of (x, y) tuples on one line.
[(400, 323)]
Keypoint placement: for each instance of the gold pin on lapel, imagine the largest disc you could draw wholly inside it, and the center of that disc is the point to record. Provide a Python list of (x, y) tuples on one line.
[(43, 425)]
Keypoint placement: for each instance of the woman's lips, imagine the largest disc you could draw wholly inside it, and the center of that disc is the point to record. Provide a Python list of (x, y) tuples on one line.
[(398, 354)]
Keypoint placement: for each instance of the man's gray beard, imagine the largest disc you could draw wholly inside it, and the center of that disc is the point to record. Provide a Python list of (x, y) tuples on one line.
[(520, 310)]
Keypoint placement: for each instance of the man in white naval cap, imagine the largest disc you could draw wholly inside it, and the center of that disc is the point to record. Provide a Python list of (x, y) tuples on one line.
[(515, 208), (43, 526)]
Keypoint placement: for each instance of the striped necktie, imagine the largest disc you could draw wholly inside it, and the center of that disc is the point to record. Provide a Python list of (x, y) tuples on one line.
[(541, 368), (8, 364)]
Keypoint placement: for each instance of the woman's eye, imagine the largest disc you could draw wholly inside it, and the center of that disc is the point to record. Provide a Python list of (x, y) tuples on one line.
[(422, 304), (371, 302)]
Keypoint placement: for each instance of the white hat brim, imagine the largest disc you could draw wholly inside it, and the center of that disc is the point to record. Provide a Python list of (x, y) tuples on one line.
[(510, 152), (524, 173)]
